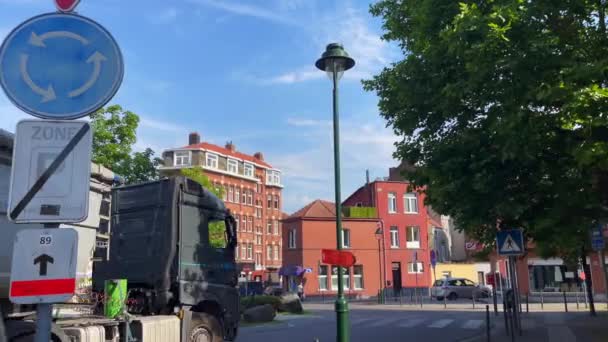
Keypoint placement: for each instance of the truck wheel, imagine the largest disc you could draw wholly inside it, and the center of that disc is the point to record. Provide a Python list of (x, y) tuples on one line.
[(22, 331), (205, 328)]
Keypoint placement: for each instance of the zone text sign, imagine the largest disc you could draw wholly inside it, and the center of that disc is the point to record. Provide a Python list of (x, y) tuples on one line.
[(43, 269), (51, 172)]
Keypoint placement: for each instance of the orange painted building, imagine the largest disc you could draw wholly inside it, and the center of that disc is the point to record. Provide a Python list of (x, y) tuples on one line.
[(252, 192), (313, 228)]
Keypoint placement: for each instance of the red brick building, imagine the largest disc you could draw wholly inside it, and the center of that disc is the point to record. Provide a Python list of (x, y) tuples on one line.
[(405, 223), (313, 228), (252, 191)]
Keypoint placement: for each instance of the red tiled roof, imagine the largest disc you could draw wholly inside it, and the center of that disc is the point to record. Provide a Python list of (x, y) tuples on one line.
[(222, 150), (316, 209)]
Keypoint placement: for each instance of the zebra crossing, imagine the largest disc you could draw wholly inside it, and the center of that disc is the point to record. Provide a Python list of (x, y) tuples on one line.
[(408, 323)]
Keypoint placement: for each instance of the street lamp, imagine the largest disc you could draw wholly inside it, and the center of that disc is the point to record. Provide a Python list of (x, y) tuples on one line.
[(334, 62), (379, 235)]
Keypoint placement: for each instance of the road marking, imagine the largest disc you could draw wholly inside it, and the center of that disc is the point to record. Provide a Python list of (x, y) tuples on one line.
[(442, 323), (560, 334), (384, 322), (473, 324), (410, 323)]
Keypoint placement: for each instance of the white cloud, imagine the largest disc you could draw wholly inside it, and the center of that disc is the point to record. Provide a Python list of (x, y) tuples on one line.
[(248, 10), (308, 174), (165, 126), (167, 15), (345, 25), (300, 122)]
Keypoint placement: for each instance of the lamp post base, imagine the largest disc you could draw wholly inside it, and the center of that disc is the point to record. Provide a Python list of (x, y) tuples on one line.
[(342, 320)]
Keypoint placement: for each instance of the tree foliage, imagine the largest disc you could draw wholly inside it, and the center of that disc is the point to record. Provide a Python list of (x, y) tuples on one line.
[(502, 108), (217, 229), (114, 134)]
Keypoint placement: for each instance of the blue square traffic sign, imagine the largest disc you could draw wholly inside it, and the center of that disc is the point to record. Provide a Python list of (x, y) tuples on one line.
[(597, 239), (510, 242)]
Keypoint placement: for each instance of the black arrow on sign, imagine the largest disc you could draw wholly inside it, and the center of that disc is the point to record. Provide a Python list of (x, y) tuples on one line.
[(43, 260)]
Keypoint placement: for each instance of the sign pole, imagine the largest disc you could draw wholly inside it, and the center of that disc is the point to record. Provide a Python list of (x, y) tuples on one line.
[(43, 322)]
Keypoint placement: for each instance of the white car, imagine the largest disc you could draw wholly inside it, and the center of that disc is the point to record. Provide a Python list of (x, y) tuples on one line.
[(454, 288)]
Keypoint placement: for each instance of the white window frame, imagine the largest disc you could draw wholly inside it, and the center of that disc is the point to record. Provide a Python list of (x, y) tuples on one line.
[(292, 239), (250, 251), (236, 251), (268, 252), (358, 276), (244, 251), (394, 234), (249, 197), (410, 203), (419, 267), (237, 194), (392, 203), (323, 278), (269, 227), (237, 219), (273, 177), (258, 259), (276, 253), (276, 227), (275, 201), (232, 166), (410, 242), (211, 160), (231, 193), (250, 224), (346, 238), (248, 170), (185, 159)]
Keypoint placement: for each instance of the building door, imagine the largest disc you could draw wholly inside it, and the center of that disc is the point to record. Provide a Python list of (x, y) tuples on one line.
[(397, 277)]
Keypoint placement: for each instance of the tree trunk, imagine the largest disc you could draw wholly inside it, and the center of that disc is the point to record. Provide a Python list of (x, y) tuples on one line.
[(588, 281), (601, 10)]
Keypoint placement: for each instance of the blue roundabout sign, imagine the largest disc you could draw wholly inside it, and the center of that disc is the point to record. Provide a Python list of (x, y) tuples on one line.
[(60, 66)]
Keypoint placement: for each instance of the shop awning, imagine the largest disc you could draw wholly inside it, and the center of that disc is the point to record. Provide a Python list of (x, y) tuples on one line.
[(291, 270)]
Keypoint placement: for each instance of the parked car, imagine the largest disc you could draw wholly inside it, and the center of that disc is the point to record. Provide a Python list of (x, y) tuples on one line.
[(454, 288)]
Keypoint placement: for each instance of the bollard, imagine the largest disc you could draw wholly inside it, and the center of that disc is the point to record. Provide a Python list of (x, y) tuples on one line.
[(421, 300), (577, 305), (565, 302), (542, 301), (495, 300), (504, 310), (528, 302), (488, 323), (445, 300), (400, 303), (473, 297)]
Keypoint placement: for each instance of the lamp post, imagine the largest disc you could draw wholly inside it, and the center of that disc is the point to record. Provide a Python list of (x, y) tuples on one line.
[(379, 234), (334, 62)]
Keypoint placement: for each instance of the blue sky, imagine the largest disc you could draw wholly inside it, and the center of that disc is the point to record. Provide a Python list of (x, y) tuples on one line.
[(243, 70)]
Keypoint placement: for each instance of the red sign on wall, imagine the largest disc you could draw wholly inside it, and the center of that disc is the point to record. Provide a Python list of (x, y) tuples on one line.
[(338, 258)]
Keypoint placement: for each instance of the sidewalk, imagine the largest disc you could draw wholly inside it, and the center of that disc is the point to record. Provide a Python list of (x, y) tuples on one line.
[(552, 327)]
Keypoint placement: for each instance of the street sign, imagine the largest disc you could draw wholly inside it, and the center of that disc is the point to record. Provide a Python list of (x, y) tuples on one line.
[(43, 268), (60, 66), (433, 258), (597, 238), (51, 172), (470, 245), (66, 5), (338, 258), (510, 242)]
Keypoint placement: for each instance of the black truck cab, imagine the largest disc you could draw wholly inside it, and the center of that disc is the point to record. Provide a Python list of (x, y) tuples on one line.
[(174, 242)]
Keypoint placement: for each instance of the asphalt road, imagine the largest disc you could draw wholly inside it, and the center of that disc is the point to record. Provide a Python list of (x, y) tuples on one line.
[(375, 323)]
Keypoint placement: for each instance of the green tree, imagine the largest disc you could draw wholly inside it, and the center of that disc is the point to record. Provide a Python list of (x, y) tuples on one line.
[(114, 134), (502, 108), (217, 229)]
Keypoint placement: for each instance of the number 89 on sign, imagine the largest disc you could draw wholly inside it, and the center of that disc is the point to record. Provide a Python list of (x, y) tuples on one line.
[(46, 240)]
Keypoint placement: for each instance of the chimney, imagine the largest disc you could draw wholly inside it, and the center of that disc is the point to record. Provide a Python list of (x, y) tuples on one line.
[(230, 146), (194, 138), (259, 156)]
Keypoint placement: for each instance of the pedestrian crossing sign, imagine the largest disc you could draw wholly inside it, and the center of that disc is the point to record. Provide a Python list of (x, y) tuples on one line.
[(510, 242)]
